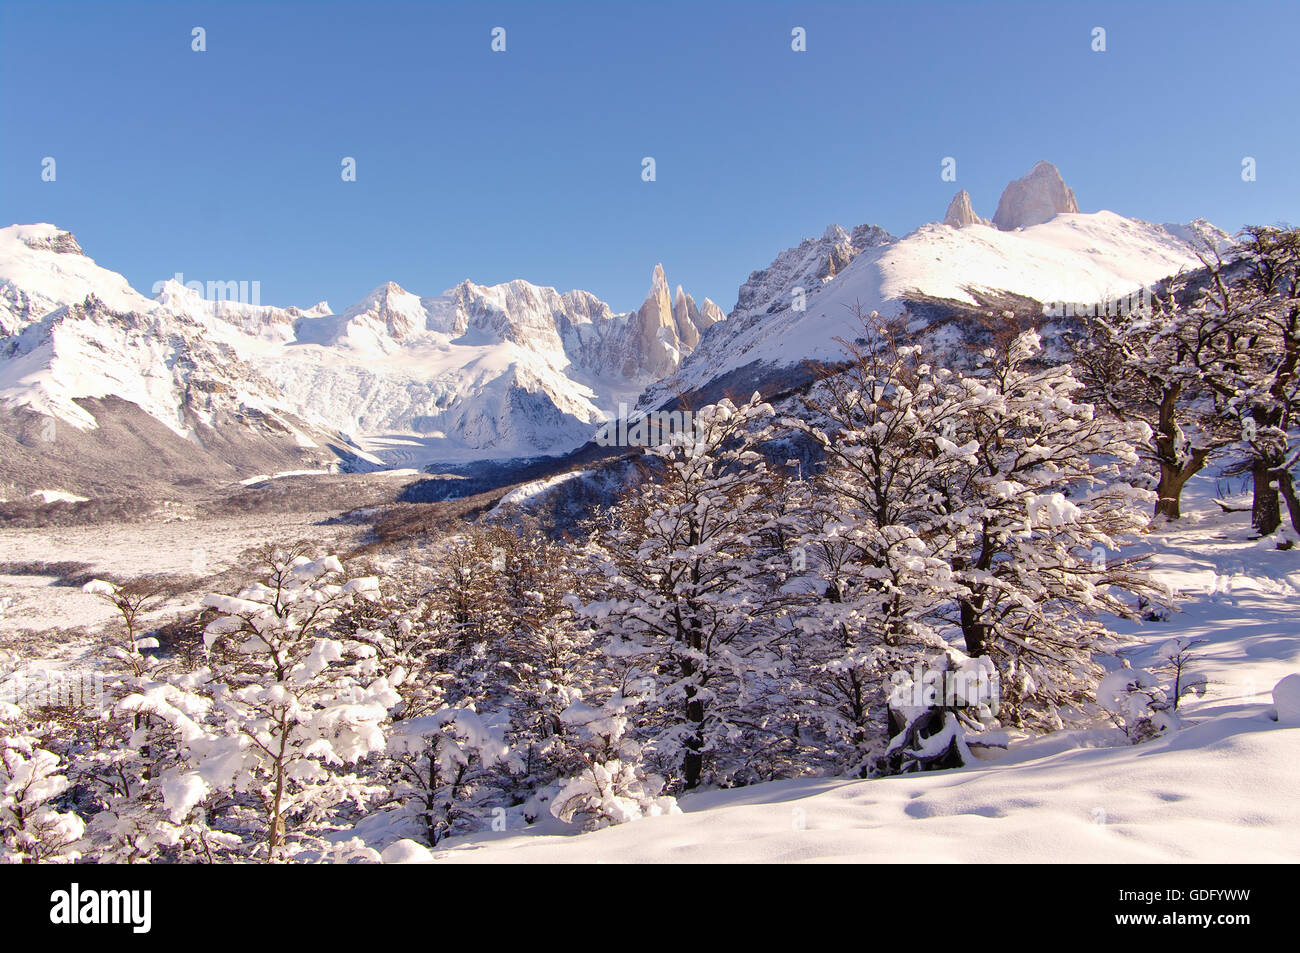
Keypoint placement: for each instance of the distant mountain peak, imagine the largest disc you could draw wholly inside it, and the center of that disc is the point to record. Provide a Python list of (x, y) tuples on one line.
[(961, 211), (804, 305), (1035, 198), (45, 237)]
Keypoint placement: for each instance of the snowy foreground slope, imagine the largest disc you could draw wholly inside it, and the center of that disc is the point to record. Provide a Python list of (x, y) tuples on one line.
[(1226, 787)]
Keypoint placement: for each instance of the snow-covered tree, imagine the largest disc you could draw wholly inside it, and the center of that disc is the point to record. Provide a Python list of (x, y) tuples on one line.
[(613, 786), (1267, 370), (549, 657), (33, 826), (1144, 702), (940, 714), (441, 764), (874, 536), (981, 507), (1042, 500), (292, 705), (689, 600), (1167, 367), (151, 796), (131, 601)]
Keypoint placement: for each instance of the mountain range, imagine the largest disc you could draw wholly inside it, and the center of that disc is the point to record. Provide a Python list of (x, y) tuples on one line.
[(102, 387)]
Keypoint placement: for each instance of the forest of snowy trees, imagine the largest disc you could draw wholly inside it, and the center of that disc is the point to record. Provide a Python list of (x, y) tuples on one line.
[(901, 568)]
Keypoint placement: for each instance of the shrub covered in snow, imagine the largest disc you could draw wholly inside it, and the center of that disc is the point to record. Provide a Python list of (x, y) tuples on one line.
[(32, 828), (613, 787), (1145, 703)]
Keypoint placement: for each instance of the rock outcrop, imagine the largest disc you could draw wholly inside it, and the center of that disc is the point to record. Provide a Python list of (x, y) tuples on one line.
[(1037, 198), (61, 243), (686, 315), (654, 326), (961, 212), (809, 265), (693, 320)]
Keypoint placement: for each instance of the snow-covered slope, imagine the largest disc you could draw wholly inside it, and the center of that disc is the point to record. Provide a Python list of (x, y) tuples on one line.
[(1073, 257), (514, 369), (520, 370), (1220, 789), (44, 267)]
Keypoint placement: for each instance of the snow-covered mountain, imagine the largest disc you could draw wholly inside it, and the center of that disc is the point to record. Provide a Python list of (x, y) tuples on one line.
[(794, 310), (513, 369)]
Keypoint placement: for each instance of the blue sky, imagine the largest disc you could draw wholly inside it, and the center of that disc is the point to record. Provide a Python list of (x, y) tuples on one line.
[(225, 165)]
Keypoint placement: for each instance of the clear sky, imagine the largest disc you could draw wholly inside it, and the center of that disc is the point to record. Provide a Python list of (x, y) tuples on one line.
[(225, 164)]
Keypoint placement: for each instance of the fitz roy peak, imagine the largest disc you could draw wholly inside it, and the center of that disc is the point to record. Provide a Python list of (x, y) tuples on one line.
[(1038, 249), (1036, 198)]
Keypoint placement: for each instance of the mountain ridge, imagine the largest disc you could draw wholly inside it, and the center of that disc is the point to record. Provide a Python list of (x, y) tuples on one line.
[(504, 370), (518, 370)]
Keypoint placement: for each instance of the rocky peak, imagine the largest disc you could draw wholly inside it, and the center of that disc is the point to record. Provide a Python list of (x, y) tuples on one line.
[(655, 334), (61, 243), (1036, 198), (687, 318), (710, 314), (318, 310), (1202, 235), (808, 265), (961, 212), (389, 309)]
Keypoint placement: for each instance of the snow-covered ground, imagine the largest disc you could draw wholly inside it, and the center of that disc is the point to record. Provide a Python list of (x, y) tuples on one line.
[(531, 492), (198, 548), (1226, 787), (56, 496)]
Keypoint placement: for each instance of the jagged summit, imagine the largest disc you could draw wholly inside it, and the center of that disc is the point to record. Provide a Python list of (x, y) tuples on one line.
[(48, 238), (517, 369), (513, 369), (389, 311), (1036, 198), (807, 266), (667, 327), (805, 304), (961, 212)]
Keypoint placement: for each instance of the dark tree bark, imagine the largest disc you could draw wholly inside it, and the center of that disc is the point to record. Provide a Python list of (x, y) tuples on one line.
[(1265, 510), (1286, 484), (693, 764), (974, 631), (1173, 478)]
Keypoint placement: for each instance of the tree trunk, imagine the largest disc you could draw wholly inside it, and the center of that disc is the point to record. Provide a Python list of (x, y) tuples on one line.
[(1265, 510), (1169, 493), (277, 832), (1170, 489), (694, 761), (973, 630), (1172, 480), (1286, 484)]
